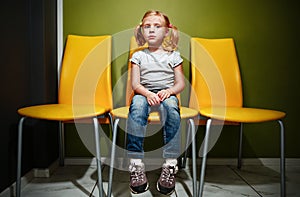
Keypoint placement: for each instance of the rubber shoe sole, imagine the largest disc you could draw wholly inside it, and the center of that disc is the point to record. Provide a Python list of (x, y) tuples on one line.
[(163, 190), (139, 189)]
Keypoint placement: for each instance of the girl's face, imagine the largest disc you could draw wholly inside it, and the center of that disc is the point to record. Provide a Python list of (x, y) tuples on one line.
[(154, 30)]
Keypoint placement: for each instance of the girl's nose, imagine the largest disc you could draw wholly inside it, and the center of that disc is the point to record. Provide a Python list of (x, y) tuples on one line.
[(152, 29)]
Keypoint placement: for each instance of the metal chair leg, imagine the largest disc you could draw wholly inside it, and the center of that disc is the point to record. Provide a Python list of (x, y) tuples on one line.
[(111, 122), (98, 156), (188, 136), (19, 157), (202, 174), (125, 157), (112, 159), (194, 165), (239, 165), (61, 144), (282, 160)]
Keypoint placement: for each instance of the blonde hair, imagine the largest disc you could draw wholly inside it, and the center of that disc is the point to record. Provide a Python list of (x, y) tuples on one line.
[(170, 41)]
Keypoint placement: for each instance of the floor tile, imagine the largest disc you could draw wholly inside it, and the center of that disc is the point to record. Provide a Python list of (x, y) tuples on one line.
[(223, 181), (266, 179), (220, 180)]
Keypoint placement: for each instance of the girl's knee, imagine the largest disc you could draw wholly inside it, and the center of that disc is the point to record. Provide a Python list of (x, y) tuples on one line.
[(139, 105), (171, 103)]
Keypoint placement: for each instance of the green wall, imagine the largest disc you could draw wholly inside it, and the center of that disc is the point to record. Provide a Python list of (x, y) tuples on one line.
[(266, 33)]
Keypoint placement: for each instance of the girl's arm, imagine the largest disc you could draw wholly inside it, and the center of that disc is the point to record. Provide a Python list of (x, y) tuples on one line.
[(152, 98), (178, 84), (179, 80)]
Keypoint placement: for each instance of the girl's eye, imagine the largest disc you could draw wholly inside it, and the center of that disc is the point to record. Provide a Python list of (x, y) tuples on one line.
[(149, 26)]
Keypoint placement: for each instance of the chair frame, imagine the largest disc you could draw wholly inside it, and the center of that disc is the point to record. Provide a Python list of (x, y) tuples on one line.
[(191, 130), (61, 151), (239, 165)]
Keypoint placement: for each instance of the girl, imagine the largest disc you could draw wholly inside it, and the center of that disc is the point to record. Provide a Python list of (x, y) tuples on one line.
[(157, 77)]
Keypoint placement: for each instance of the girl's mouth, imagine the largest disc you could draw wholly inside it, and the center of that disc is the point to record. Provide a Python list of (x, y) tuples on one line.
[(151, 37)]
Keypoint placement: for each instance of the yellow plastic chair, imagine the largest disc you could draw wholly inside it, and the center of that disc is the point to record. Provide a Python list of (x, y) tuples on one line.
[(217, 82), (84, 94), (122, 113)]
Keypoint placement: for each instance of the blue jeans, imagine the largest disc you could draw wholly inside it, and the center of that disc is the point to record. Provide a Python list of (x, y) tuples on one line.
[(137, 123)]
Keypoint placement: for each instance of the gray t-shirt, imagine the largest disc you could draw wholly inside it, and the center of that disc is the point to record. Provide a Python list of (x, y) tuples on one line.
[(156, 68)]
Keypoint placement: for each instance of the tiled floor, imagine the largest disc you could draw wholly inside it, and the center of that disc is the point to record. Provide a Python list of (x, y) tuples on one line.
[(220, 180)]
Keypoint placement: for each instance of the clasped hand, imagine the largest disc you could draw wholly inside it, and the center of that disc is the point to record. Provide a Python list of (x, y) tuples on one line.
[(156, 98)]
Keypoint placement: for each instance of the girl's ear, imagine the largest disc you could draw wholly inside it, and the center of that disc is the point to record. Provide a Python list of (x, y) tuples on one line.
[(167, 32)]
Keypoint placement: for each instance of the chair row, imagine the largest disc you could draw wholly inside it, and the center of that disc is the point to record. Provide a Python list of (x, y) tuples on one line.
[(85, 92)]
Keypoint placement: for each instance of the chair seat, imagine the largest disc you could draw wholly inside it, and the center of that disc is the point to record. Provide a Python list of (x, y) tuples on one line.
[(62, 112), (185, 112), (241, 114)]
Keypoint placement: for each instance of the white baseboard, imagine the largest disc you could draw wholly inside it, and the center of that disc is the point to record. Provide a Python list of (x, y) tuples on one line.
[(252, 161), (210, 161), (45, 172)]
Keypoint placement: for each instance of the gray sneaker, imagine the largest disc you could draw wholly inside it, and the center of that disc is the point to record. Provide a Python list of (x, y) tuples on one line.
[(138, 180), (166, 181)]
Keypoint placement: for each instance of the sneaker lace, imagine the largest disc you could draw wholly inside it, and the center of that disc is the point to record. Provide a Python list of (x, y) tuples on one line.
[(168, 174), (137, 174)]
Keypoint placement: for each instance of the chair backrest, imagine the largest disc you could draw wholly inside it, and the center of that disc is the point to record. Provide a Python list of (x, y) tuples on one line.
[(86, 71), (216, 79), (133, 47)]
